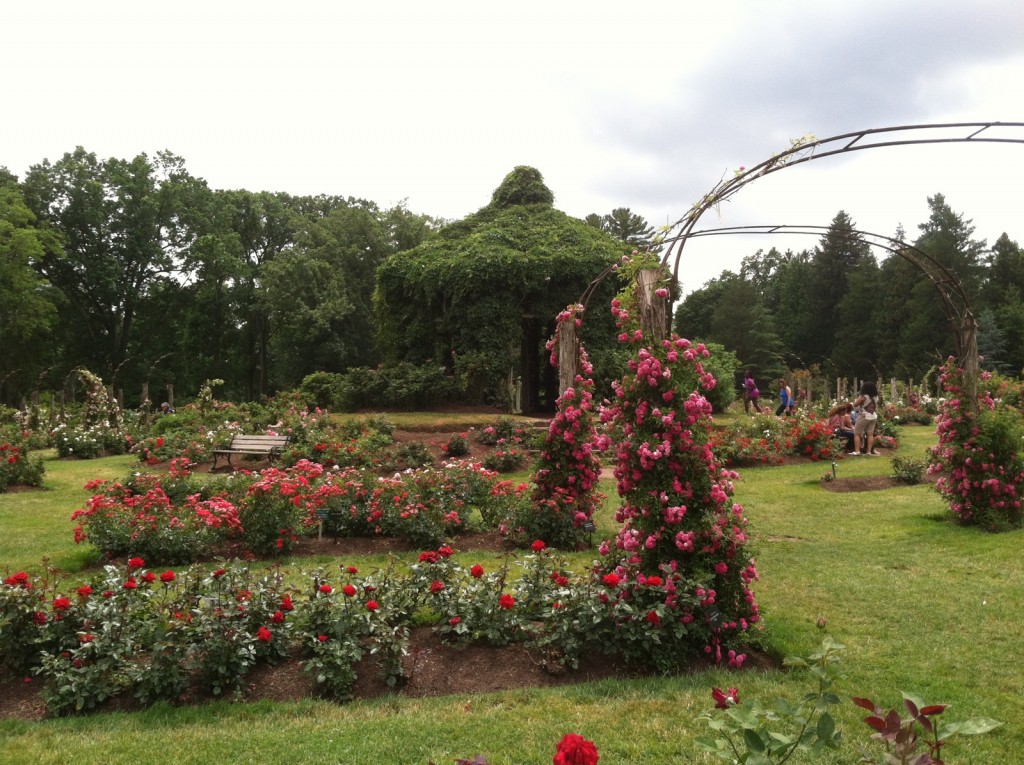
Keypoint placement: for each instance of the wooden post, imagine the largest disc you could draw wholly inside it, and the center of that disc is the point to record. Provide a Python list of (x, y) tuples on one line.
[(568, 355), (170, 394), (653, 316)]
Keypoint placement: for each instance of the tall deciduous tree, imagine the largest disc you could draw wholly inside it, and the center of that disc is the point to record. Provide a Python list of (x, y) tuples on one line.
[(27, 311), (121, 230)]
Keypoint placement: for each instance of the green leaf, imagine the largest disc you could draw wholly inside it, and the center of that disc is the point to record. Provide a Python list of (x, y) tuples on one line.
[(972, 727), (826, 727), (753, 741)]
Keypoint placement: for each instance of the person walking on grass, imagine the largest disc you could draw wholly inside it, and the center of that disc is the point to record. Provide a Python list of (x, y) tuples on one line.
[(867, 406), (751, 394), (786, 402)]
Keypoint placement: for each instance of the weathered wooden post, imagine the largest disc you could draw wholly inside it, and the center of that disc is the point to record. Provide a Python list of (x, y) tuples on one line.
[(653, 309), (568, 355)]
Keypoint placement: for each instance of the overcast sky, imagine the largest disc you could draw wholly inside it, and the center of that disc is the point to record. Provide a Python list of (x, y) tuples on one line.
[(644, 104)]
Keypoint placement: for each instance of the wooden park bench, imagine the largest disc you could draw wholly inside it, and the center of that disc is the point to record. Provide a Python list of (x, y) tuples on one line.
[(269, 446)]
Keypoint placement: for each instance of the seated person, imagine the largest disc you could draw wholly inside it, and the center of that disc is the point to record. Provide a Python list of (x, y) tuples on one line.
[(840, 422)]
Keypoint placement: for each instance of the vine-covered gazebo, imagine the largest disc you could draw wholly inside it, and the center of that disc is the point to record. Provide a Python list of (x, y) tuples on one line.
[(480, 297)]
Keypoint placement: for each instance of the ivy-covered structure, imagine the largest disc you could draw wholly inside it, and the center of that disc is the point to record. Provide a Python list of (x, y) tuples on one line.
[(481, 297)]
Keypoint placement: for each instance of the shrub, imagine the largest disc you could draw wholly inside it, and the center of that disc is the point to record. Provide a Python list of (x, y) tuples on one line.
[(978, 457), (505, 459), (17, 467), (568, 471), (907, 470), (140, 519), (455, 446), (675, 508), (414, 454)]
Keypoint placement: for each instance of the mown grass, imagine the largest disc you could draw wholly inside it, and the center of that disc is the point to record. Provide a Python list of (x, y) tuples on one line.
[(921, 605)]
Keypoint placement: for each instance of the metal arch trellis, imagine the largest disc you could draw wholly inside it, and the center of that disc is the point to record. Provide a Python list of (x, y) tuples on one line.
[(808, 148), (955, 302)]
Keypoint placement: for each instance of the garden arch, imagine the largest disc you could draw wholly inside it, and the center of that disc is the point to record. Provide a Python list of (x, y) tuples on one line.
[(809, 148)]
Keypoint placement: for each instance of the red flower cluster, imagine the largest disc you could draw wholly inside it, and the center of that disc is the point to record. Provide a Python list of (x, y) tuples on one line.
[(573, 749)]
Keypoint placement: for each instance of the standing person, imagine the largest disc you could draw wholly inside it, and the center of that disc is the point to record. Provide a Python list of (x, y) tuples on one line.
[(842, 425), (786, 402), (751, 394), (867, 404)]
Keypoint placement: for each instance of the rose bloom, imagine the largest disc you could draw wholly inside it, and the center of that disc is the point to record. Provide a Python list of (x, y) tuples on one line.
[(61, 604), (149, 577), (573, 749), (131, 584), (326, 589), (84, 591), (167, 576), (264, 635), (611, 580), (429, 557), (322, 638), (372, 605), (352, 570), (455, 620), (436, 586), (219, 573), (136, 563), (506, 601), (286, 602), (653, 618), (723, 699), (445, 551), (654, 581), (277, 618), (538, 545), (349, 590), (477, 571)]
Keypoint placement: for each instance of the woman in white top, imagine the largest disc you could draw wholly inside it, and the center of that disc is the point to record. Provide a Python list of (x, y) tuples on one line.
[(867, 404)]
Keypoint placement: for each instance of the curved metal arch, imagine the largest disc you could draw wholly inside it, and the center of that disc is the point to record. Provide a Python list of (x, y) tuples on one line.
[(955, 302), (808, 148)]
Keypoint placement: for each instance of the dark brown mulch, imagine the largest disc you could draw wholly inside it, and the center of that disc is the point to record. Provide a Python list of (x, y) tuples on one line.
[(432, 666)]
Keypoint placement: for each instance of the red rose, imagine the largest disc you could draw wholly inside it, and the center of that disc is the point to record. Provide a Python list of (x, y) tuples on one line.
[(573, 749), (538, 545), (84, 591), (653, 618), (218, 573), (264, 635), (611, 580), (349, 590), (326, 589), (654, 581), (436, 586), (135, 563), (277, 618), (477, 571), (506, 601), (167, 577), (322, 638), (131, 584), (352, 570), (286, 602), (445, 551), (61, 604), (372, 605), (149, 577)]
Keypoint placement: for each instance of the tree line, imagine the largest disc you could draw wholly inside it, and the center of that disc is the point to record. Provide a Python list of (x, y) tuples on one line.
[(839, 310), (140, 272)]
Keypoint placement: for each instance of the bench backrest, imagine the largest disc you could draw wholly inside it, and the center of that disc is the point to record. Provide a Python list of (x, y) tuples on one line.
[(269, 443)]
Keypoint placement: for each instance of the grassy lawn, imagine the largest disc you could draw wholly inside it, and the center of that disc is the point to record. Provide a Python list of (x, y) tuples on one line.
[(921, 605)]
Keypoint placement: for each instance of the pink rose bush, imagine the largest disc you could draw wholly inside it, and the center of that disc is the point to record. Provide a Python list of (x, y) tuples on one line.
[(678, 521), (977, 459)]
